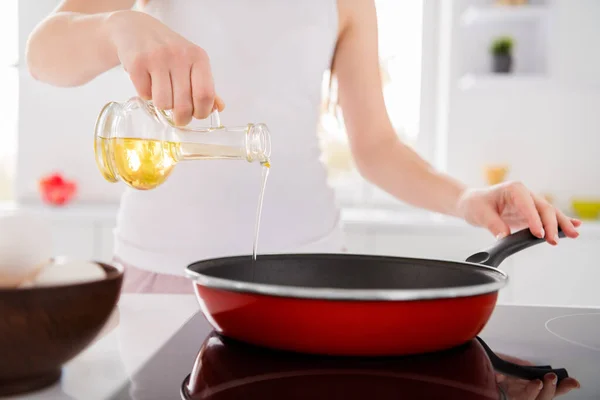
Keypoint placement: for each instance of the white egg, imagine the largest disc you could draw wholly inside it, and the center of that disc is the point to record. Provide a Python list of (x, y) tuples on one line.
[(61, 272), (25, 246)]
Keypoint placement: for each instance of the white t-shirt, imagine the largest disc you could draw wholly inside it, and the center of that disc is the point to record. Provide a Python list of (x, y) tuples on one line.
[(267, 58)]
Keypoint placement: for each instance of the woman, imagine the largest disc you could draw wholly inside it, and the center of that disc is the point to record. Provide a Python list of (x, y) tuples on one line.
[(267, 59)]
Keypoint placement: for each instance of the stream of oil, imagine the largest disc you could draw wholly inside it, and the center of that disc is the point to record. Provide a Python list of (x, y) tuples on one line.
[(266, 167)]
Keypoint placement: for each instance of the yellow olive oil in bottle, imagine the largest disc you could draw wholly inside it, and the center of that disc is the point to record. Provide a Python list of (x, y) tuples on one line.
[(138, 144)]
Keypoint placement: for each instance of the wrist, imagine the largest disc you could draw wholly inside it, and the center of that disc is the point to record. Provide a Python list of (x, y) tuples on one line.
[(111, 25), (458, 192)]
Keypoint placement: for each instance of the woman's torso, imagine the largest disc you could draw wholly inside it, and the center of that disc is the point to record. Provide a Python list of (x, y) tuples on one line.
[(267, 58)]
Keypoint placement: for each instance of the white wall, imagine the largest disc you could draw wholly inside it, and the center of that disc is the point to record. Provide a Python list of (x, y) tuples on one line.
[(56, 125), (546, 130)]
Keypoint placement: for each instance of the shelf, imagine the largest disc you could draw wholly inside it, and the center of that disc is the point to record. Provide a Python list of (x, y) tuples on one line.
[(76, 211), (500, 81), (416, 220), (482, 14)]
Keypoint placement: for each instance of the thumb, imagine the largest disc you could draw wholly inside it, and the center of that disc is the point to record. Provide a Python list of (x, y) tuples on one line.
[(495, 224)]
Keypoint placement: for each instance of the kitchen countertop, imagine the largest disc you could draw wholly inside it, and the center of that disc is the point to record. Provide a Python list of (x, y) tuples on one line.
[(144, 323), (141, 324)]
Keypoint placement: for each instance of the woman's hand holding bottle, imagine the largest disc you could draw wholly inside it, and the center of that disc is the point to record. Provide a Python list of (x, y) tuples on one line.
[(163, 66), (82, 39)]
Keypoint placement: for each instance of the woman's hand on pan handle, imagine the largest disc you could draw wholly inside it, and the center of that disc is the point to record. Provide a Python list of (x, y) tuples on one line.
[(511, 205), (81, 39)]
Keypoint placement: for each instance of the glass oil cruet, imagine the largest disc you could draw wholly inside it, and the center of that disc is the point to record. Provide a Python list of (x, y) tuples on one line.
[(140, 145)]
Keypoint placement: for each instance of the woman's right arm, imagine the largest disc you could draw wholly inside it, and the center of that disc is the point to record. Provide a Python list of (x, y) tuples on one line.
[(73, 45), (82, 39)]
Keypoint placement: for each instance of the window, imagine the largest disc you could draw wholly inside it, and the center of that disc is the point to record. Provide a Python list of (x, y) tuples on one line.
[(9, 101), (405, 47)]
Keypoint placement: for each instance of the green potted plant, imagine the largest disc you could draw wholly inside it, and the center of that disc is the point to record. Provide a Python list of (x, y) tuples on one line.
[(501, 50)]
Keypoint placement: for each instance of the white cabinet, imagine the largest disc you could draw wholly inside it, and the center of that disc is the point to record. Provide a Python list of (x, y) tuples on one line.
[(359, 241), (104, 241), (73, 239), (447, 246), (567, 274)]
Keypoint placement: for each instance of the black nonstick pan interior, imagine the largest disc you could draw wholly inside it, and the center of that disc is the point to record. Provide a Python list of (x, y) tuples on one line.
[(346, 271)]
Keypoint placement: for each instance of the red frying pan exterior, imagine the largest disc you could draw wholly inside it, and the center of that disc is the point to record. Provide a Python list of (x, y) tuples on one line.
[(296, 315), (346, 327)]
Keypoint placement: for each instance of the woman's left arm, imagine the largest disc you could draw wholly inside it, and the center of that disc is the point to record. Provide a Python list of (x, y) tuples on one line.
[(383, 159)]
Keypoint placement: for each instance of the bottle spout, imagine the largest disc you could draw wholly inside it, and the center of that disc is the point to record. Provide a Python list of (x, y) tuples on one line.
[(258, 144)]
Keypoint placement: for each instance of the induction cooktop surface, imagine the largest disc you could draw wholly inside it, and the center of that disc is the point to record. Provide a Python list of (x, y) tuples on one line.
[(198, 363)]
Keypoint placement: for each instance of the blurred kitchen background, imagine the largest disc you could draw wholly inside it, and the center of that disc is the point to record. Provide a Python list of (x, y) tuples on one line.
[(485, 89)]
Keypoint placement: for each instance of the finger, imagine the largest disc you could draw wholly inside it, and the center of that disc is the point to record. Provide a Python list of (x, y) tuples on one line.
[(494, 223), (532, 389), (183, 106), (576, 222), (219, 104), (162, 91), (523, 201), (549, 389), (549, 219), (566, 225), (203, 91), (142, 83), (138, 73), (566, 385)]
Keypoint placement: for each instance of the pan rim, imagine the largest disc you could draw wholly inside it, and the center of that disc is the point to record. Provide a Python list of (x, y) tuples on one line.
[(332, 293)]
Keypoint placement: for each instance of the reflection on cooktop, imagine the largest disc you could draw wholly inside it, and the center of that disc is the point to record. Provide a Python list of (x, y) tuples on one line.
[(577, 329), (200, 364), (225, 369)]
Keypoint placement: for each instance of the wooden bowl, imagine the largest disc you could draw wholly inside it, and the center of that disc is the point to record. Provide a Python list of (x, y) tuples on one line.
[(42, 328)]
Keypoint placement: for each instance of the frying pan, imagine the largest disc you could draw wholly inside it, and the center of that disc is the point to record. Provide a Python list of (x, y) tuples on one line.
[(355, 305)]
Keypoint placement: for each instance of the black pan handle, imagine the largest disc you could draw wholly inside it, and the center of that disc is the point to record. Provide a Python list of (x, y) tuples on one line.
[(508, 246), (522, 371)]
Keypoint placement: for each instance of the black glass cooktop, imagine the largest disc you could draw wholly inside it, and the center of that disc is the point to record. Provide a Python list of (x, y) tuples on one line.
[(197, 363)]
